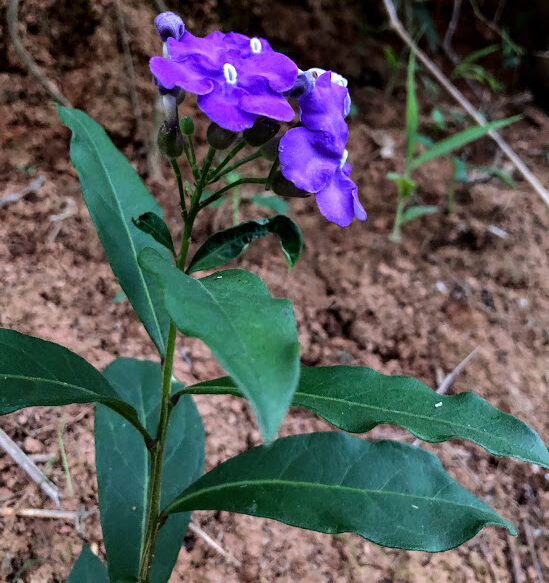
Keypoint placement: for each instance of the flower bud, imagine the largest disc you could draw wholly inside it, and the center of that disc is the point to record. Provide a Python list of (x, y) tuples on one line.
[(218, 137), (187, 125), (269, 149), (303, 84), (170, 140), (176, 92), (262, 131), (283, 187), (168, 25)]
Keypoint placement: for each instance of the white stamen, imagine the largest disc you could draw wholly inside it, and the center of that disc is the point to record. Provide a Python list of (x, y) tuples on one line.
[(255, 45), (343, 159), (230, 73)]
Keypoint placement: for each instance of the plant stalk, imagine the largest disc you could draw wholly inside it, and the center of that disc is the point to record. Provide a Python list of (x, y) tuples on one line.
[(154, 518)]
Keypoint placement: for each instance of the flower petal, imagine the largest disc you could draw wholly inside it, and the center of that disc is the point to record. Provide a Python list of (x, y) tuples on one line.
[(322, 109), (171, 74), (338, 201), (279, 70), (307, 158), (222, 107), (264, 101), (212, 47)]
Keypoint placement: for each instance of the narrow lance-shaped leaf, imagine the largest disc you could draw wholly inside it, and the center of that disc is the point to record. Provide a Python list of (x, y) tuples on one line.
[(459, 140), (414, 212), (358, 399), (153, 225), (123, 470), (114, 194), (36, 372), (229, 244), (88, 569), (252, 334), (391, 493), (412, 117)]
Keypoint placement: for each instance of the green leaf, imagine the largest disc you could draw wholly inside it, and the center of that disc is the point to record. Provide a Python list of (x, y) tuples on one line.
[(273, 203), (229, 244), (460, 170), (153, 225), (391, 493), (414, 212), (438, 119), (114, 194), (459, 140), (405, 186), (36, 372), (119, 297), (88, 569), (358, 399), (412, 116), (499, 174), (123, 469), (252, 334)]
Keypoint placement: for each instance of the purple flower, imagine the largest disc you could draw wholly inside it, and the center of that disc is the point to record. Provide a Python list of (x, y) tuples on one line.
[(169, 25), (235, 77), (314, 157)]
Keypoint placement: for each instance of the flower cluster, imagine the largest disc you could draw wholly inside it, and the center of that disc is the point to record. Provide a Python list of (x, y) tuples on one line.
[(240, 80), (236, 78), (314, 156)]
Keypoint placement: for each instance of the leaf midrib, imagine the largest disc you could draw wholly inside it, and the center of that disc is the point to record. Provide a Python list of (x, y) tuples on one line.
[(125, 226), (4, 376), (297, 484), (237, 335)]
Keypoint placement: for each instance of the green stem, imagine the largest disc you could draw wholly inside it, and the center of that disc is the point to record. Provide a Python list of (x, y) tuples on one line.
[(233, 167), (154, 518), (177, 173), (229, 157), (206, 167), (221, 191), (157, 453), (236, 206), (395, 235)]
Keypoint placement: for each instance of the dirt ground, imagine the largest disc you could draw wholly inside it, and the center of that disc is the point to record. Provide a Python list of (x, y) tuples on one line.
[(417, 308)]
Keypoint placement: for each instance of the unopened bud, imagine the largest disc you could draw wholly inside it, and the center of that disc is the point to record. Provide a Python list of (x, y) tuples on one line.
[(303, 84), (283, 187), (176, 92), (269, 149), (218, 137), (170, 140), (168, 25), (262, 131), (187, 125)]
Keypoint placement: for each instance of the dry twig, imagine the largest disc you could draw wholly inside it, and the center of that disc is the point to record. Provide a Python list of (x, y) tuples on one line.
[(533, 553), (515, 560), (32, 187), (463, 101), (33, 471), (210, 541), (27, 60), (67, 212), (77, 518)]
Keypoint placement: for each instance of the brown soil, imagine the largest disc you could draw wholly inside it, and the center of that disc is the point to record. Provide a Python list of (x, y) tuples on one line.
[(417, 308)]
